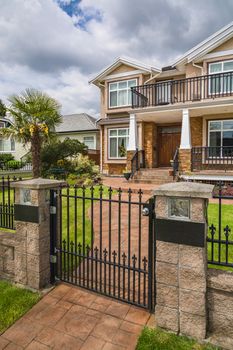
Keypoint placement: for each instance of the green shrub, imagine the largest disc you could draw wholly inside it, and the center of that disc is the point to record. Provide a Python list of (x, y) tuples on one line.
[(6, 157), (14, 164)]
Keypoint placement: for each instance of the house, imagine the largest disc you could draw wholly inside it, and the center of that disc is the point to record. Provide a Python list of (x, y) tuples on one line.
[(81, 127), (10, 145), (181, 114)]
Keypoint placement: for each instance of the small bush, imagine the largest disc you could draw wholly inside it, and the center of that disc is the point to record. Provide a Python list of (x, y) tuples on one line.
[(14, 164)]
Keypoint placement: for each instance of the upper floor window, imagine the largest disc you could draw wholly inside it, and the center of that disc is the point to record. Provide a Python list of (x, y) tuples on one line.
[(120, 93), (222, 83), (89, 141)]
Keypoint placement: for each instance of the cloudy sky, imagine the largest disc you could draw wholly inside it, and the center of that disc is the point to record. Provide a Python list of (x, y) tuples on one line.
[(58, 45)]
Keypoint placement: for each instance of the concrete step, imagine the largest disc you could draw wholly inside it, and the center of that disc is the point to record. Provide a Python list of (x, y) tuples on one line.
[(155, 182)]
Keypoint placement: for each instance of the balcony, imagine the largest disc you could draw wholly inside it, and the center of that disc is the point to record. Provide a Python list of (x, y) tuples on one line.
[(194, 89)]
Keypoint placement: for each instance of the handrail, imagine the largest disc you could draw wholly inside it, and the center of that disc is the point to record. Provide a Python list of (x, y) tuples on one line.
[(192, 89), (212, 157), (137, 161), (175, 163)]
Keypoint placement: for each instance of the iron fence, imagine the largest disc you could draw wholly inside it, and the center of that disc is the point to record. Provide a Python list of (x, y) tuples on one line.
[(7, 200), (105, 244), (214, 157), (220, 235)]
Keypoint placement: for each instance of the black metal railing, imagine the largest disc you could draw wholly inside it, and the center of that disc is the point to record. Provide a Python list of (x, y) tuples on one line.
[(137, 161), (220, 235), (7, 200), (183, 90), (15, 166), (175, 163), (105, 244), (205, 158)]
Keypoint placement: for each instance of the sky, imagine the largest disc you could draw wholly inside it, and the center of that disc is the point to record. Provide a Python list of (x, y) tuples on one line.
[(58, 45)]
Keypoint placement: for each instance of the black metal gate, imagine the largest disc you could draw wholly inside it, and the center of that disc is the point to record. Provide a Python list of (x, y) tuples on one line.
[(103, 240)]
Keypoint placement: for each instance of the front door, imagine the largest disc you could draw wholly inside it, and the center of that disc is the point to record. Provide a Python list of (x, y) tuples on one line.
[(168, 141)]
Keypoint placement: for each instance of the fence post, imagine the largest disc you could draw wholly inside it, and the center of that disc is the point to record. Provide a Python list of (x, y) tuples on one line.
[(181, 257), (32, 222)]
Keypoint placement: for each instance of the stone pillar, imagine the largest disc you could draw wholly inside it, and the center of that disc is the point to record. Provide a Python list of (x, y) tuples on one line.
[(185, 165), (181, 257), (32, 220)]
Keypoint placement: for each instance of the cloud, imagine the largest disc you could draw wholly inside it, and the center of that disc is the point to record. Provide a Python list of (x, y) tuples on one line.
[(58, 45)]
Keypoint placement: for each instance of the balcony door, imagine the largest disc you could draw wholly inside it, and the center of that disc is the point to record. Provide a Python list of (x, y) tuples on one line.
[(168, 141)]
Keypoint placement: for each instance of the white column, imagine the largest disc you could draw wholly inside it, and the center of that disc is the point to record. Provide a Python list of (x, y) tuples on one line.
[(132, 146), (185, 142)]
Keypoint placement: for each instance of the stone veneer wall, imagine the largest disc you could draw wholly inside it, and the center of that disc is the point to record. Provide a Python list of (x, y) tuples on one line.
[(184, 160), (149, 143), (196, 131), (7, 255), (220, 307)]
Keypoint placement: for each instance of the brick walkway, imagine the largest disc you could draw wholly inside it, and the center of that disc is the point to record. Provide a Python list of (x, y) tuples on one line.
[(72, 318)]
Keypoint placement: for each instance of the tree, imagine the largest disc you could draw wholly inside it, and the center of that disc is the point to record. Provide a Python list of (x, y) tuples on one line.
[(60, 153), (2, 109), (35, 116)]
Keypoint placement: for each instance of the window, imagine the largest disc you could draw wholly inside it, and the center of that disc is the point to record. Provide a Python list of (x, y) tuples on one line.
[(7, 145), (120, 93), (224, 82), (89, 142), (221, 137), (118, 142)]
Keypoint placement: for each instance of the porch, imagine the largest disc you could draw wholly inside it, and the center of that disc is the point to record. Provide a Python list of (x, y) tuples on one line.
[(188, 140)]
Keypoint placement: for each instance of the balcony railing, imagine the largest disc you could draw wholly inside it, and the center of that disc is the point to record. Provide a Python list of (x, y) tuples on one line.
[(207, 158), (184, 90)]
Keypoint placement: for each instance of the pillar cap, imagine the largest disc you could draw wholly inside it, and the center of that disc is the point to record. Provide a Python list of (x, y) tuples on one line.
[(37, 184), (185, 189)]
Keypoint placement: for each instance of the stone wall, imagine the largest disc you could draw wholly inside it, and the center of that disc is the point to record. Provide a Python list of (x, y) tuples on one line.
[(184, 160), (7, 255), (220, 307), (149, 144)]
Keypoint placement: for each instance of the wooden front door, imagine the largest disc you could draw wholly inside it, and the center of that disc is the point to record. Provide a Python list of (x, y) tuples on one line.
[(168, 141)]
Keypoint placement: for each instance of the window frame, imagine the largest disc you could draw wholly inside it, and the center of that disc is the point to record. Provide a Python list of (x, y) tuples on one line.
[(117, 90), (117, 136), (94, 141), (218, 130), (9, 140), (222, 91)]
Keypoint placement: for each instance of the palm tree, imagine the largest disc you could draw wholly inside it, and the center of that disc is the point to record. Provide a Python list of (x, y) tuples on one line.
[(35, 115)]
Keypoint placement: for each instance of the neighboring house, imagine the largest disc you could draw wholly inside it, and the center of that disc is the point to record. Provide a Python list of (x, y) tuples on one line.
[(81, 127), (10, 145), (150, 116)]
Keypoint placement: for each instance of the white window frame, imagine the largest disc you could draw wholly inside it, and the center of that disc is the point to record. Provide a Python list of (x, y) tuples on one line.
[(117, 136), (221, 81), (218, 130), (94, 141), (5, 141), (119, 89)]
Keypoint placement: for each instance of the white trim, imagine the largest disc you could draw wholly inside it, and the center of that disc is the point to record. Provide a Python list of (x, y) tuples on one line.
[(217, 130), (132, 145), (124, 74), (185, 142), (123, 60), (218, 54)]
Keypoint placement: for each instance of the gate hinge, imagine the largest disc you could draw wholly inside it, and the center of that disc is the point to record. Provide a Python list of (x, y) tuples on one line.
[(53, 209), (53, 259)]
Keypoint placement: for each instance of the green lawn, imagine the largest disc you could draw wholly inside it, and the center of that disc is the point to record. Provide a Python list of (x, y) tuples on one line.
[(156, 339), (14, 302)]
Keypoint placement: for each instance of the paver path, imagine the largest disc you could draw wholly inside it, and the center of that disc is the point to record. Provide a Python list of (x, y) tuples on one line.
[(73, 318)]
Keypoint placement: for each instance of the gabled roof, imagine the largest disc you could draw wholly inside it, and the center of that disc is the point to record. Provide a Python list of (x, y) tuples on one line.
[(77, 122), (123, 60), (207, 45)]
